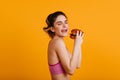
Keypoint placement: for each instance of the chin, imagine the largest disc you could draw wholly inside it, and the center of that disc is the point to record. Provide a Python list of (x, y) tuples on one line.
[(65, 35), (62, 35)]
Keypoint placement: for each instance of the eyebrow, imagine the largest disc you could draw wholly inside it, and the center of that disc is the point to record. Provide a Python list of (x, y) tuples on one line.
[(61, 21)]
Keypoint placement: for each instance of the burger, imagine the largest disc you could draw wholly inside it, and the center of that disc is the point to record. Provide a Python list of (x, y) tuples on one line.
[(74, 33)]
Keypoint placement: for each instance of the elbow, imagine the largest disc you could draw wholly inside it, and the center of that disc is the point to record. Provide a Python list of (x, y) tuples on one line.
[(77, 67), (71, 71)]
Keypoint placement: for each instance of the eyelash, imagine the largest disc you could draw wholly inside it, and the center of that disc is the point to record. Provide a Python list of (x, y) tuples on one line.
[(61, 23)]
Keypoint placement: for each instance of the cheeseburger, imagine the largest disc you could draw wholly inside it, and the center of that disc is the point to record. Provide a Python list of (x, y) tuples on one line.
[(74, 32)]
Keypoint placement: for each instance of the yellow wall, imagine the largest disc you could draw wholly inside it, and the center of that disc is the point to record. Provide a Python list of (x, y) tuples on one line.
[(23, 43)]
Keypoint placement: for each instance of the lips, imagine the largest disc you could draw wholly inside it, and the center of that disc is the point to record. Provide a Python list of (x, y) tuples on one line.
[(64, 30)]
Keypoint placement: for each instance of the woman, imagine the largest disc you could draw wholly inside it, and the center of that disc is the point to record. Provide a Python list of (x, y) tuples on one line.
[(61, 62)]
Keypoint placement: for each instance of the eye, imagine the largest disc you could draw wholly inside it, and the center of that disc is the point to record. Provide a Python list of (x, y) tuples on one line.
[(66, 22), (59, 23)]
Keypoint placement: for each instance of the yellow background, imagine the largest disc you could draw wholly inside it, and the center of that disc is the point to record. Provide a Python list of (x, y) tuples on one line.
[(23, 43)]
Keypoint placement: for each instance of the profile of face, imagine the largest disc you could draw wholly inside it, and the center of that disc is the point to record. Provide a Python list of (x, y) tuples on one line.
[(61, 26)]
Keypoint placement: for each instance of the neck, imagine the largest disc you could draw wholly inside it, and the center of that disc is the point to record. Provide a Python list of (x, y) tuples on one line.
[(58, 37)]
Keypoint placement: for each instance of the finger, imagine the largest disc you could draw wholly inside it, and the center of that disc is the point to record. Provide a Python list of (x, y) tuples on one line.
[(77, 33), (82, 35)]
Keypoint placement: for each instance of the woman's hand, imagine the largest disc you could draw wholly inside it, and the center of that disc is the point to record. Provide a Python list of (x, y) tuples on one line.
[(79, 38)]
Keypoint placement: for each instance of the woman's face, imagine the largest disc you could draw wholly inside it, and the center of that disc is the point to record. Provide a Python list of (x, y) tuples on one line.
[(61, 26)]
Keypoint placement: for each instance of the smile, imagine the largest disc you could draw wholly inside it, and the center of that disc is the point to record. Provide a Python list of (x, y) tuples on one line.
[(64, 30)]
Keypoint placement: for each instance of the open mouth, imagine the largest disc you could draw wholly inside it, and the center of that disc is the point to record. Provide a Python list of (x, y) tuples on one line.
[(64, 30)]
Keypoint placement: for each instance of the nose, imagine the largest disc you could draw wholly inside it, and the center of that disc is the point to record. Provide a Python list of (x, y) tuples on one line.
[(65, 25)]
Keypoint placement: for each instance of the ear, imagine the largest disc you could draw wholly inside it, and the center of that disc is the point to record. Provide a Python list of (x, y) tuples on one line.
[(52, 29)]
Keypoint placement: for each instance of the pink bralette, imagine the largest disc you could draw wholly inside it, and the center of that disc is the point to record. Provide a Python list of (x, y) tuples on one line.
[(56, 68)]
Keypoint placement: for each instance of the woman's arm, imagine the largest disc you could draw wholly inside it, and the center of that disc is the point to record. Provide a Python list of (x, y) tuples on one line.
[(79, 58), (68, 63), (80, 55)]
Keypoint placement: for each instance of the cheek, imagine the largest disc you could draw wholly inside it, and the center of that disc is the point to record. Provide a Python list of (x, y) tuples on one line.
[(57, 29)]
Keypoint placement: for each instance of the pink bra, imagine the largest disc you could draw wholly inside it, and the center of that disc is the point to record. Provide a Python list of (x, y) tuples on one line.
[(56, 68)]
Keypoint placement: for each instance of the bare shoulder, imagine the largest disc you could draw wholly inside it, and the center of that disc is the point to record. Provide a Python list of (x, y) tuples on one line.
[(59, 43), (55, 44)]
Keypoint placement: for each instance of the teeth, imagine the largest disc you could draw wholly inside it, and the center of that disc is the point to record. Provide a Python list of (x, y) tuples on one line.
[(64, 30)]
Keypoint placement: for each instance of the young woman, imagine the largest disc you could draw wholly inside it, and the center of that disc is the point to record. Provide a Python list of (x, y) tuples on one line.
[(61, 62)]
